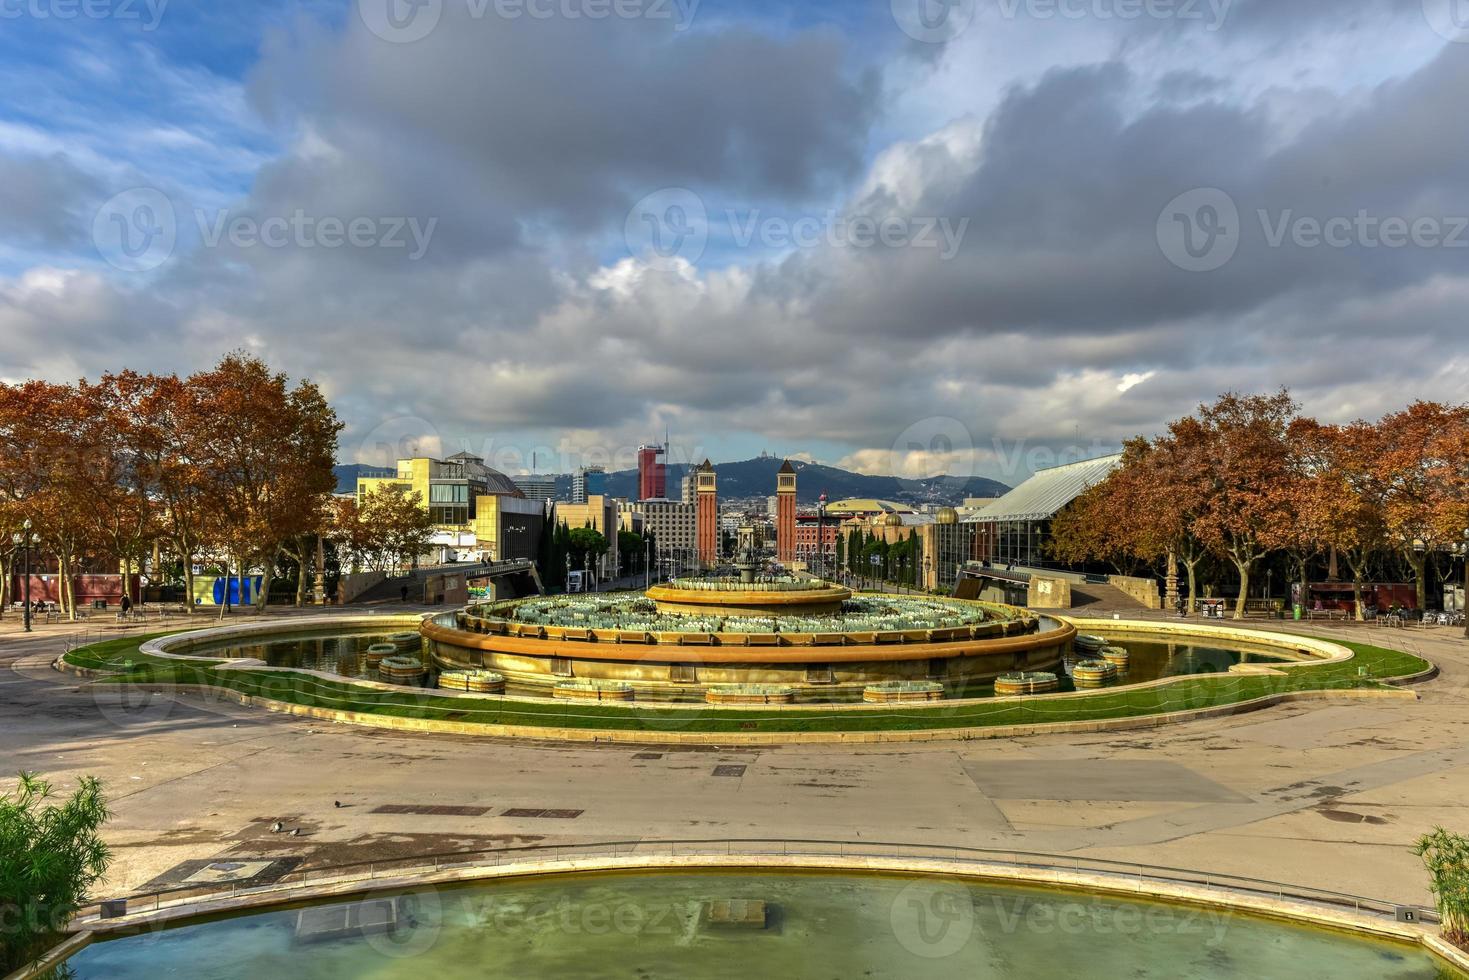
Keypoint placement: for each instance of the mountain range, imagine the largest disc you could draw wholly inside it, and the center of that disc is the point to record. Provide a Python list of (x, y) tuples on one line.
[(756, 478)]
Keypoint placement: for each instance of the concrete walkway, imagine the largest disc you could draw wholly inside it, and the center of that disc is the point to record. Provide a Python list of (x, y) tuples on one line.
[(1328, 795)]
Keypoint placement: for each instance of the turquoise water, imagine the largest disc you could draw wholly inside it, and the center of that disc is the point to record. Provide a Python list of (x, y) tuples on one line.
[(335, 653), (342, 654), (656, 926)]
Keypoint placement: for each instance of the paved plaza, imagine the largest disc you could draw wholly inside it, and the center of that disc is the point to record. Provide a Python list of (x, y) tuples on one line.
[(1329, 794)]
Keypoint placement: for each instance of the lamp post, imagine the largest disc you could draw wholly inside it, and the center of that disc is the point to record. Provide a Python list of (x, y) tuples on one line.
[(26, 541), (1464, 604), (874, 561), (821, 537)]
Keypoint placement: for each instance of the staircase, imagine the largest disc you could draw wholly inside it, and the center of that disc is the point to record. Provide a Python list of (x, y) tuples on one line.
[(1100, 599), (391, 590)]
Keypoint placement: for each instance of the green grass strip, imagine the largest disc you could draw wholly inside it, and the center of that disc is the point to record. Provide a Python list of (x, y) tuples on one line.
[(1192, 693)]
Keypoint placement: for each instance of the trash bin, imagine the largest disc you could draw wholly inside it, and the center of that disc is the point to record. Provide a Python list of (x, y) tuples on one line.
[(99, 604), (1298, 611)]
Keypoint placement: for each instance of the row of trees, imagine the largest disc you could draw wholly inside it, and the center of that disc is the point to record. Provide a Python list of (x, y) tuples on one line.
[(896, 561), (1248, 477), (233, 465)]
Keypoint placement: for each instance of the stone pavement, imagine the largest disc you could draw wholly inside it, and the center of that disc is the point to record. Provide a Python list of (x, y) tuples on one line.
[(1324, 794)]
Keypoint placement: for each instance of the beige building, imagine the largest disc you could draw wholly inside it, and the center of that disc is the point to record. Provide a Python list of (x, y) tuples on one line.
[(478, 511), (672, 523), (600, 514)]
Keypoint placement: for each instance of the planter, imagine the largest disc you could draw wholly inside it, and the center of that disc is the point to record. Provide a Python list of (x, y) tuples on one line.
[(378, 652), (1090, 642), (889, 692), (750, 694), (475, 681), (592, 691), (1026, 682), (1117, 656), (1093, 673), (402, 669), (407, 643)]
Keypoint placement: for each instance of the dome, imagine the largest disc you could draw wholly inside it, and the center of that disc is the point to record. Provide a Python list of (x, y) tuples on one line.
[(893, 520), (948, 515)]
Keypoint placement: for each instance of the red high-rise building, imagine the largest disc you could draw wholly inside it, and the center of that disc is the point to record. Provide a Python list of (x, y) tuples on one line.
[(652, 473), (706, 514), (785, 514)]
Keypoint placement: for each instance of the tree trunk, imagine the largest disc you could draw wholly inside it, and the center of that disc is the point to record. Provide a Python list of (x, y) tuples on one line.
[(1244, 587), (1419, 562), (5, 565), (224, 595), (188, 582)]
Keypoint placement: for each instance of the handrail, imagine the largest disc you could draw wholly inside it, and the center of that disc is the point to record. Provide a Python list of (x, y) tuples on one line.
[(752, 847)]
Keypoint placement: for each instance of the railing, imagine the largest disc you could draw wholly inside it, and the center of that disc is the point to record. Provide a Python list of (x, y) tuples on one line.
[(1121, 872)]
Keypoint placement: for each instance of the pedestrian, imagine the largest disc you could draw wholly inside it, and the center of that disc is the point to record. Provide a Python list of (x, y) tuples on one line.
[(127, 606), (404, 593)]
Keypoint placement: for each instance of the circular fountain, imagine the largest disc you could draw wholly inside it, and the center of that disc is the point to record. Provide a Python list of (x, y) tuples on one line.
[(685, 638)]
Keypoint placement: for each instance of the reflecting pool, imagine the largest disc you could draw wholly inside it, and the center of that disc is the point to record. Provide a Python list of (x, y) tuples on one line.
[(823, 925)]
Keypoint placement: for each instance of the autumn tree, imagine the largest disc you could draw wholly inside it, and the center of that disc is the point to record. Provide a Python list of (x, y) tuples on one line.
[(266, 456), (1238, 452), (388, 529), (1418, 454)]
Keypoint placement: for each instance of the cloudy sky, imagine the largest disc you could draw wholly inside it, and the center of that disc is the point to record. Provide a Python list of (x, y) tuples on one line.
[(913, 236)]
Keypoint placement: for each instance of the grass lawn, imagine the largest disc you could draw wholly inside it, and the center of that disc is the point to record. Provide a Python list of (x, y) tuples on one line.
[(1199, 691)]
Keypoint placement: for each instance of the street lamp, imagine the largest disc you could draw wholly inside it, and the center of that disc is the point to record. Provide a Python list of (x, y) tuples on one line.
[(874, 561), (26, 541), (1464, 603), (821, 537)]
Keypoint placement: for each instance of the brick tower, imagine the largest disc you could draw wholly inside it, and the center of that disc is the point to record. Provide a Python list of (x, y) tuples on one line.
[(785, 514), (706, 523)]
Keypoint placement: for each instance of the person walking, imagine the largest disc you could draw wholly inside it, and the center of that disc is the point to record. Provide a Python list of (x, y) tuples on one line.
[(127, 606)]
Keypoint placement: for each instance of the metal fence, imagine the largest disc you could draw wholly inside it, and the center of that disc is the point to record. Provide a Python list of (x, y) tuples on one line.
[(1119, 873)]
